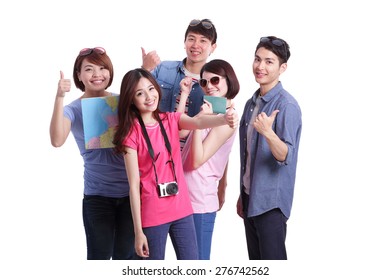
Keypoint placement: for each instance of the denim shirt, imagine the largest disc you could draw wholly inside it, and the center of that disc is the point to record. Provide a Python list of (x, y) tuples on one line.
[(168, 75), (272, 182)]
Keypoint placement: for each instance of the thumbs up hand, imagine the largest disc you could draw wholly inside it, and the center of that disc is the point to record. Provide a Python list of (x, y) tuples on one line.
[(263, 123), (63, 85), (231, 117), (150, 60)]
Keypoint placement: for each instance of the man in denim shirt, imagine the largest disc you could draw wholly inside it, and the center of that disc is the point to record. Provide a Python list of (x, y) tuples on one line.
[(200, 42), (270, 131)]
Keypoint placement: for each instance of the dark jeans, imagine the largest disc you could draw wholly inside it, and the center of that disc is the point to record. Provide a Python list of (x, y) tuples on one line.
[(108, 227), (183, 236), (265, 234)]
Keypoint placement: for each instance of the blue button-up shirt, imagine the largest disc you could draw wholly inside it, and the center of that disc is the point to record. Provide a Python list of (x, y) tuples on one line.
[(271, 182), (168, 75)]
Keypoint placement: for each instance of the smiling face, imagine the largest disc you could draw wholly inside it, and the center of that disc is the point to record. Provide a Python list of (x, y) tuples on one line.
[(94, 77), (212, 87), (267, 69), (198, 47), (146, 96)]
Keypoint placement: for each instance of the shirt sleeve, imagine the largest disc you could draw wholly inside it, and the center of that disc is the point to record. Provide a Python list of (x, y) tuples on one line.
[(68, 113), (288, 126), (132, 138)]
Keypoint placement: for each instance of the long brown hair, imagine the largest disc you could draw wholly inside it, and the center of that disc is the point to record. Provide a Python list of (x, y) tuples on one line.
[(127, 111)]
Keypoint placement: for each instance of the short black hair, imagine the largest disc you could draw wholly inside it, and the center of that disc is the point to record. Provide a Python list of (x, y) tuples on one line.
[(199, 28), (276, 45)]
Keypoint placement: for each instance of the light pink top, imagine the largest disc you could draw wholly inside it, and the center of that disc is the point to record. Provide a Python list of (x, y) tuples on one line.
[(203, 181), (157, 210)]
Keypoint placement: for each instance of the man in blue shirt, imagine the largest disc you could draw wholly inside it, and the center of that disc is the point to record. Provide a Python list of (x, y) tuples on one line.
[(270, 130), (200, 42)]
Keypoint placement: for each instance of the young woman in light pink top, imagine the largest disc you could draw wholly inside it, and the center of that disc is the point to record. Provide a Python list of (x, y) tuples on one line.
[(206, 153)]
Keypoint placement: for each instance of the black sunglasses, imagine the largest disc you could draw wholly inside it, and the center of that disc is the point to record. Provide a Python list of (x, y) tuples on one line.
[(88, 51), (206, 24), (276, 42), (214, 81)]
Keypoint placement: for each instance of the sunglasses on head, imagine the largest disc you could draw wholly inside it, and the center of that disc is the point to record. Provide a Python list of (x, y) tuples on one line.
[(206, 24), (214, 81), (87, 51), (276, 42)]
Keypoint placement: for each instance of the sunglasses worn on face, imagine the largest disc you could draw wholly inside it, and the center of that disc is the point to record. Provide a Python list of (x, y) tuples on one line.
[(88, 51), (214, 81), (205, 24)]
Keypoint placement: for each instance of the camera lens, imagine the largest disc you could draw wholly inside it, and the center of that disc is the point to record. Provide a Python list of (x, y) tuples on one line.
[(172, 188)]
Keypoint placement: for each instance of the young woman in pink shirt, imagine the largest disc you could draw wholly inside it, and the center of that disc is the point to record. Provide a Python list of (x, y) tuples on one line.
[(149, 141)]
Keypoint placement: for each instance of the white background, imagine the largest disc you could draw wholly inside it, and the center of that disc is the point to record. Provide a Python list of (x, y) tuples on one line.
[(338, 72)]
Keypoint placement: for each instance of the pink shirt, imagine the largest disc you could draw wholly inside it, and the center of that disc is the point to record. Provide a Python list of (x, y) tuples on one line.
[(157, 210), (203, 181)]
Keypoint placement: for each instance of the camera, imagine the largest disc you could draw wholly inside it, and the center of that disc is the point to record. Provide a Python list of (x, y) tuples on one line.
[(167, 189)]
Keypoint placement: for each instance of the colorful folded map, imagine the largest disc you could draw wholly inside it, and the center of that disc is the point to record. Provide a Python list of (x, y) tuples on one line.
[(100, 117)]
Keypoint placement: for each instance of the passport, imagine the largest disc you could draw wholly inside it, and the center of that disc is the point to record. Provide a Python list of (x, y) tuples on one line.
[(218, 103)]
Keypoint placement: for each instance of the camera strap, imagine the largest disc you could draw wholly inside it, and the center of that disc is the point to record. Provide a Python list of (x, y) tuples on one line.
[(150, 148)]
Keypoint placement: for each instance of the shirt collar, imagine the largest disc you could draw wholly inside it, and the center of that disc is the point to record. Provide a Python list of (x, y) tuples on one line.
[(270, 94)]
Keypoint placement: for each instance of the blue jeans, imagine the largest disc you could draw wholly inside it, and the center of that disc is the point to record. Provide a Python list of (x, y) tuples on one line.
[(108, 227), (265, 234), (204, 226), (182, 234)]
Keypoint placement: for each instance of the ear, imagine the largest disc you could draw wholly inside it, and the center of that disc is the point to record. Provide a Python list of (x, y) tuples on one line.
[(213, 47), (282, 68)]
